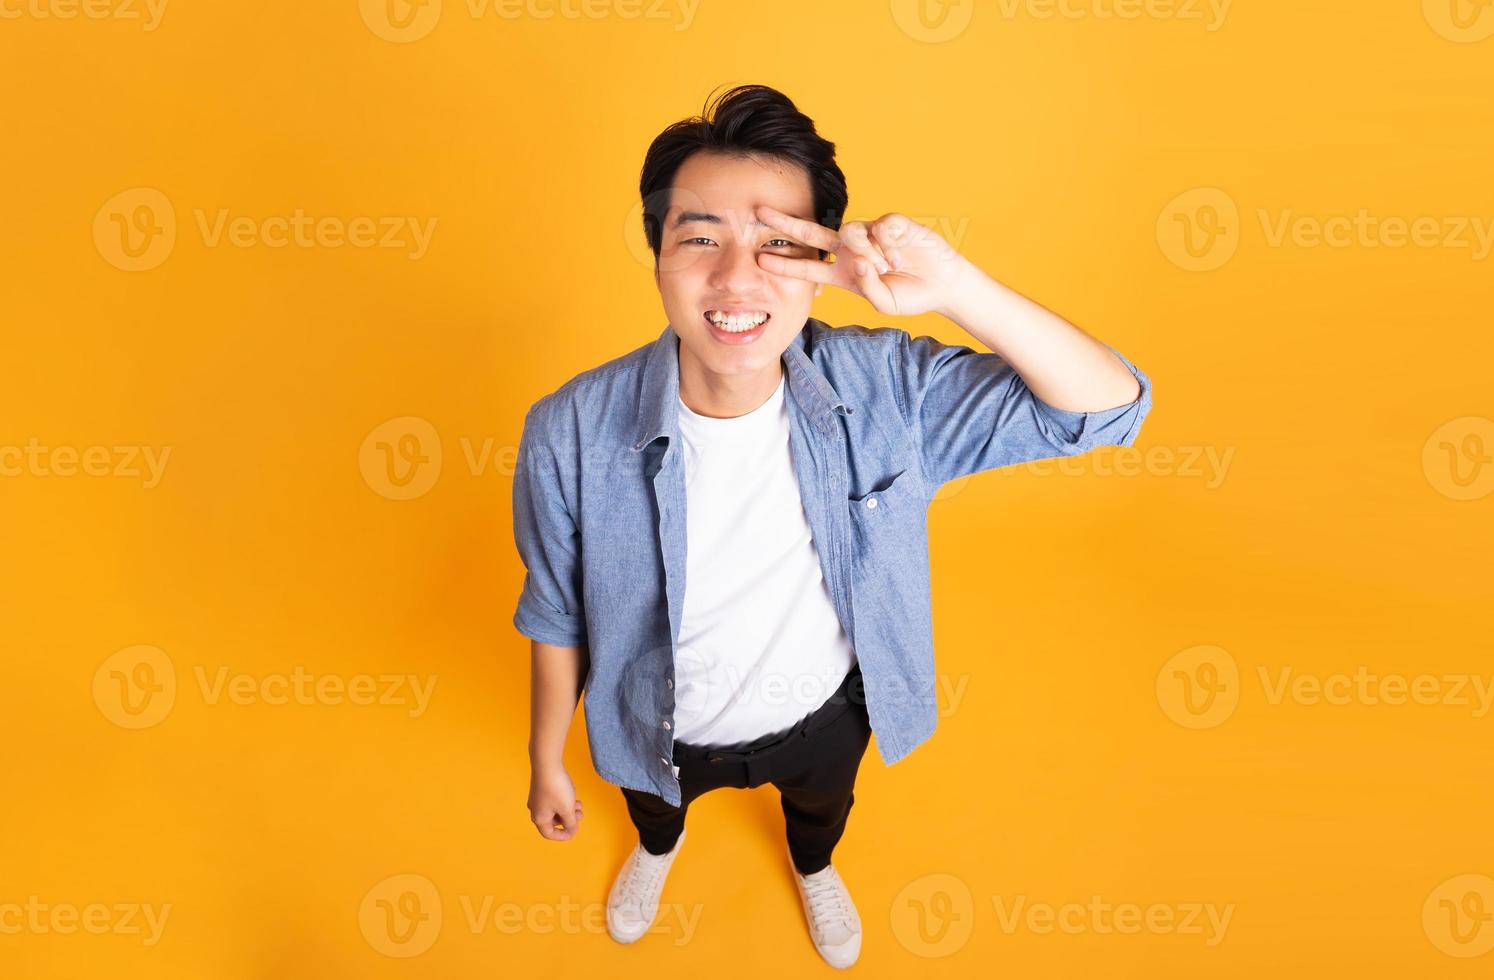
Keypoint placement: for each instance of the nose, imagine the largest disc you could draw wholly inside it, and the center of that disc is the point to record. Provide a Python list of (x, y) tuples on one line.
[(736, 272)]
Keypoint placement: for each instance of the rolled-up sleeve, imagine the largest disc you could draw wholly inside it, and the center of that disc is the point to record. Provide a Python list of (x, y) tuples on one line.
[(549, 544), (971, 411)]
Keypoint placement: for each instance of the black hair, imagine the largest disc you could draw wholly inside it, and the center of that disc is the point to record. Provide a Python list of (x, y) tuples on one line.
[(743, 121)]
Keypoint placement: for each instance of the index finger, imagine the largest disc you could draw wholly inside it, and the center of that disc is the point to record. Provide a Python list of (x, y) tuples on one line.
[(805, 231)]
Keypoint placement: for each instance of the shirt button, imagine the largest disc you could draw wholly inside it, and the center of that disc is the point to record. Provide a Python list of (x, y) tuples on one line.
[(871, 501), (663, 760), (669, 683), (667, 726)]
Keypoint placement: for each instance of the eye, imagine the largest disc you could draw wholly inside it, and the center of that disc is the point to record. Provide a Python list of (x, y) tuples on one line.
[(781, 243), (692, 241)]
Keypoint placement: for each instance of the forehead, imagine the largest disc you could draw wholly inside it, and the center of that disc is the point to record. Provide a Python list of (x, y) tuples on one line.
[(718, 182)]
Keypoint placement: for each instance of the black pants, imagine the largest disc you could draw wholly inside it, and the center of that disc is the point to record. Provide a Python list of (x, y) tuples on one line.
[(813, 765)]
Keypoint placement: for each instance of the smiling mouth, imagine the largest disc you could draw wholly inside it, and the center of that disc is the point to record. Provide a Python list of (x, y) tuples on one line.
[(737, 321)]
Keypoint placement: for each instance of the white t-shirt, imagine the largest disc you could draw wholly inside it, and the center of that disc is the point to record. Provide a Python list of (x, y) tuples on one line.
[(760, 645)]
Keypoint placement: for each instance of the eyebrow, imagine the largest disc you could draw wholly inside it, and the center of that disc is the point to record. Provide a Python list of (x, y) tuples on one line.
[(690, 217)]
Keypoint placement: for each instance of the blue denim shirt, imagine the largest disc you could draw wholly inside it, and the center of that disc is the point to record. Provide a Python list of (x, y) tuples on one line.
[(879, 420)]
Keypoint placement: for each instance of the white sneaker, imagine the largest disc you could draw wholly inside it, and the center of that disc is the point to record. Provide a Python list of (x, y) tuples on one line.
[(634, 899), (834, 924)]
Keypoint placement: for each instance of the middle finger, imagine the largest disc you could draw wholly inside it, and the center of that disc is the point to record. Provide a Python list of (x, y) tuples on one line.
[(805, 231)]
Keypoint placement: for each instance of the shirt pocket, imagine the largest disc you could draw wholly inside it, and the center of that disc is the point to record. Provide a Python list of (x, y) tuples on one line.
[(888, 521)]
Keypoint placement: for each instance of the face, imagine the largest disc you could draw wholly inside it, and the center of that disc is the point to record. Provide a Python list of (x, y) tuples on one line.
[(734, 319)]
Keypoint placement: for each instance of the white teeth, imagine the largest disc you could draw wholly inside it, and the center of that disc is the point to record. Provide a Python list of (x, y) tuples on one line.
[(736, 324)]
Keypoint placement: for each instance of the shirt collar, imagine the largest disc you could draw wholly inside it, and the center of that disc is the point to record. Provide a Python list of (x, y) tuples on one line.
[(658, 411)]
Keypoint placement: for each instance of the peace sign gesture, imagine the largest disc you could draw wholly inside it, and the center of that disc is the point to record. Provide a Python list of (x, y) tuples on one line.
[(900, 266)]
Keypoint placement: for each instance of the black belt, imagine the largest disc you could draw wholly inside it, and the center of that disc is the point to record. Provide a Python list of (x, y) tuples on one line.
[(851, 693)]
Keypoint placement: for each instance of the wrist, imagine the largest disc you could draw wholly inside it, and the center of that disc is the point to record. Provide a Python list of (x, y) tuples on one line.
[(962, 291), (545, 760)]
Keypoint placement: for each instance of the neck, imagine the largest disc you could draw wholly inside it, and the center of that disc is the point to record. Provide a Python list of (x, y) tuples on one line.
[(726, 396)]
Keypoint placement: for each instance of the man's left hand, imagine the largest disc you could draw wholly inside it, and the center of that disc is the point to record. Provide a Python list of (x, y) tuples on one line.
[(899, 265)]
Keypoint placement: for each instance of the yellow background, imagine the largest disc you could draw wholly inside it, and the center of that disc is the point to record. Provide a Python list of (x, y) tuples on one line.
[(1052, 147)]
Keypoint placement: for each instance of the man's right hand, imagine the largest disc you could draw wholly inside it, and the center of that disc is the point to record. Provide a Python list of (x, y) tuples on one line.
[(552, 803)]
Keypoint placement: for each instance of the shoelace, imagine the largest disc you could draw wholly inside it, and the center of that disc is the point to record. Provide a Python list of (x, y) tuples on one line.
[(827, 901), (647, 870)]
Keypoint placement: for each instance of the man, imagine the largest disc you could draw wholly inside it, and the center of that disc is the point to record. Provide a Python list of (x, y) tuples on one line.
[(725, 531)]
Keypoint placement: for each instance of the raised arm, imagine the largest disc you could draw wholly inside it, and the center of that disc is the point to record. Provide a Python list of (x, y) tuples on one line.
[(1046, 388)]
